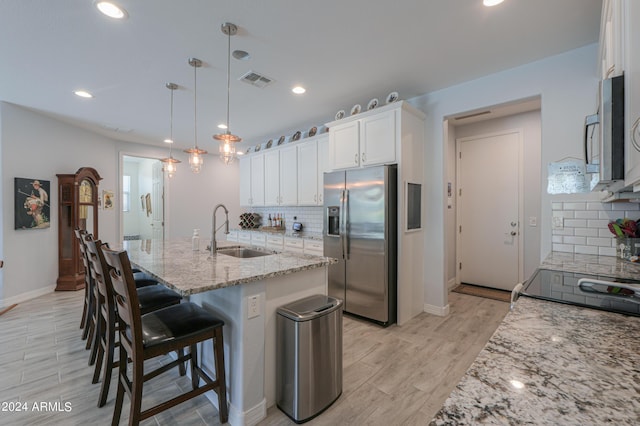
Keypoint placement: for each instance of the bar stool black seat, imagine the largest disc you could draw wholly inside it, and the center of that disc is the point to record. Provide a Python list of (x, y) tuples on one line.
[(157, 333)]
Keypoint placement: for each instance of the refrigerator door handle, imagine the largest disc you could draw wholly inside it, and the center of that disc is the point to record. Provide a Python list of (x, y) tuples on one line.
[(342, 225), (345, 233)]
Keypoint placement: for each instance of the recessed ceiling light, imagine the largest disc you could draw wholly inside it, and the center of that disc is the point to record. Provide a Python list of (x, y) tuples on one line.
[(111, 9), (83, 94), (490, 3), (168, 140), (222, 126), (298, 90), (241, 55), (239, 153)]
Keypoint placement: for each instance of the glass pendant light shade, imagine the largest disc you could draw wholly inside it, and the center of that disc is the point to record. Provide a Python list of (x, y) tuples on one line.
[(227, 139), (227, 152), (170, 163), (196, 159)]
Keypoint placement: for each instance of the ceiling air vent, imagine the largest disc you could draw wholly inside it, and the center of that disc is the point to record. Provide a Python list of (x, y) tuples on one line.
[(255, 79)]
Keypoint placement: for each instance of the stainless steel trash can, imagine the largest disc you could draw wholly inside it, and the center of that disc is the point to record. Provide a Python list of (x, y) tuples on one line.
[(308, 356)]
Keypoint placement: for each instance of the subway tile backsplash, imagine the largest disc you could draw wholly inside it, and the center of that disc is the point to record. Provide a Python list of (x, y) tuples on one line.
[(310, 217), (584, 226)]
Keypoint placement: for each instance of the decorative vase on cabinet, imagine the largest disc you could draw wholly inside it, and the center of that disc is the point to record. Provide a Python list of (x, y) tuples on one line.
[(77, 208)]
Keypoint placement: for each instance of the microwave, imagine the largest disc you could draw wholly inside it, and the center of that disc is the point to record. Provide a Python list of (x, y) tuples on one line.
[(605, 159)]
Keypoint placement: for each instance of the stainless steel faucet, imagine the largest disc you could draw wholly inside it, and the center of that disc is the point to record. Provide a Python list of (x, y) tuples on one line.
[(213, 245)]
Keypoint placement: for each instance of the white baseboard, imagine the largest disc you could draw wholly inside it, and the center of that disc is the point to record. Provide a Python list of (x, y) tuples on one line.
[(27, 296), (451, 284), (437, 310), (250, 417)]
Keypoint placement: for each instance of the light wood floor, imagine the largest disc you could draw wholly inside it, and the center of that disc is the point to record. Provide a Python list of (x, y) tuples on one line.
[(393, 376)]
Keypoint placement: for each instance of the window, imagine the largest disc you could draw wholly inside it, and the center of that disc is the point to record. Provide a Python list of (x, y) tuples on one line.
[(126, 193)]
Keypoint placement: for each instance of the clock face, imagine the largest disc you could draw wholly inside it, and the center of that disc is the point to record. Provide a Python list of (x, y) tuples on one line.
[(86, 192)]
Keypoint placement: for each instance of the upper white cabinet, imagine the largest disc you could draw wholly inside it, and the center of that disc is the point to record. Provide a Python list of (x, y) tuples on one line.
[(312, 163), (252, 180), (364, 140), (631, 15), (280, 177), (612, 38)]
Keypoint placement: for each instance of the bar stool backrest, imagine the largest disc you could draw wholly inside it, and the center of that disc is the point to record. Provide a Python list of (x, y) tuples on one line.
[(126, 296)]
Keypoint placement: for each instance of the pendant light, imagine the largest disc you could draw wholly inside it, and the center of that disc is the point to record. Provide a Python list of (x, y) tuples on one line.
[(227, 140), (195, 153), (170, 162)]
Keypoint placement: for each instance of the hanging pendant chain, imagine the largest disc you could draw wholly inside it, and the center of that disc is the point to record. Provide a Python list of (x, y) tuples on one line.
[(228, 77), (171, 127), (195, 106)]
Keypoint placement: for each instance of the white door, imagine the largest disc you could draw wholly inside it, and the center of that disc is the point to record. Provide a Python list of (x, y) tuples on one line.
[(489, 210), (157, 201)]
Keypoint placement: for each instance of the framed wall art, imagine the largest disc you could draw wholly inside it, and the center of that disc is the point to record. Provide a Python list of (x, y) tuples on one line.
[(32, 208), (108, 200)]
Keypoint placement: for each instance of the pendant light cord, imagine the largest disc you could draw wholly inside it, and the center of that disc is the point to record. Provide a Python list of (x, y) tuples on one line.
[(171, 126), (228, 75), (195, 106)]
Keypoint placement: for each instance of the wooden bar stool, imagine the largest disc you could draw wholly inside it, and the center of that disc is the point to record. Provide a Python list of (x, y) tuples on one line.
[(88, 302), (150, 298), (157, 333)]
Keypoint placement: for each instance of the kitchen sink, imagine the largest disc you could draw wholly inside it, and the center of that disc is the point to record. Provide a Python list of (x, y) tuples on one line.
[(243, 253)]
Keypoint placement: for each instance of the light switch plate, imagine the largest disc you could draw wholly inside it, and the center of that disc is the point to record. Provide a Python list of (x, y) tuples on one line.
[(533, 221)]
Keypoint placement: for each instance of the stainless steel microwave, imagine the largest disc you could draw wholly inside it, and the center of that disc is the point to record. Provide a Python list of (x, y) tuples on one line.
[(606, 157)]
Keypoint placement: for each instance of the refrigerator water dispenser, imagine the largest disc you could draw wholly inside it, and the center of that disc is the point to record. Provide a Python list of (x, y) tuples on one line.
[(333, 222)]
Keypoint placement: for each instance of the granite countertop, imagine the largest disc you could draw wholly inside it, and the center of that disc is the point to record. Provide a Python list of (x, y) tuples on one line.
[(551, 363), (592, 264), (176, 265), (574, 365)]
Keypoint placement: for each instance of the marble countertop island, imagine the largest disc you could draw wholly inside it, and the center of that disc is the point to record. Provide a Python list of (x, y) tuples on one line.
[(555, 364), (175, 264)]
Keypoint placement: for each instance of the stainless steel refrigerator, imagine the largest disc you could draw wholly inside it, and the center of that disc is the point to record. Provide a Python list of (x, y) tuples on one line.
[(360, 226)]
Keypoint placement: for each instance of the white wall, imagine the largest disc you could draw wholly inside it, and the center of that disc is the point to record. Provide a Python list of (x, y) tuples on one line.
[(34, 145), (567, 85)]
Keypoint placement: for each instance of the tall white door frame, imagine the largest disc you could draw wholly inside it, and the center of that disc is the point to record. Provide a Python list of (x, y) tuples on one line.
[(520, 186), (161, 203)]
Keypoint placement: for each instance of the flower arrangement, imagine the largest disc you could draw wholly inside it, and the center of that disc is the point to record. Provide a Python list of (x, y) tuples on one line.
[(625, 228)]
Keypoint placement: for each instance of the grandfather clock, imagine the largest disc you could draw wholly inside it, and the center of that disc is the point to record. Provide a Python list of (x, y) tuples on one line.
[(77, 208)]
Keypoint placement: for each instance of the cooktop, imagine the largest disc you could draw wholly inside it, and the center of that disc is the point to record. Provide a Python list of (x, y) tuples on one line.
[(591, 291)]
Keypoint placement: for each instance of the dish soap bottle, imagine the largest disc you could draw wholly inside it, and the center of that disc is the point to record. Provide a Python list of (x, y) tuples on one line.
[(195, 240)]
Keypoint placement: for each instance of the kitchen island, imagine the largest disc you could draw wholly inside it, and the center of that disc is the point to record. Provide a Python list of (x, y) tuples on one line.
[(245, 293), (551, 363)]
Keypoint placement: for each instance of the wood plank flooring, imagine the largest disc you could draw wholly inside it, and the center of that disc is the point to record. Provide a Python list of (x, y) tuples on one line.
[(393, 376)]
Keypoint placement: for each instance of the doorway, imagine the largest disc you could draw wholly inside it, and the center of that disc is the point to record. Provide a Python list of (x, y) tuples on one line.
[(142, 195), (489, 214)]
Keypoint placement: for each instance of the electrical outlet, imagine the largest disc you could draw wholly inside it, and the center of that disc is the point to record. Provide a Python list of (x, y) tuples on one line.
[(253, 306), (533, 221), (558, 222)]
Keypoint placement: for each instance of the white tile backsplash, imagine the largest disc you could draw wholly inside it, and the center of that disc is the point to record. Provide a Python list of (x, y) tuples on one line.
[(310, 217), (586, 229)]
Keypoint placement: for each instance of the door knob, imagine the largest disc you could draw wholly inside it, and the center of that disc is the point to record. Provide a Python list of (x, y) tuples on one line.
[(514, 233), (514, 223)]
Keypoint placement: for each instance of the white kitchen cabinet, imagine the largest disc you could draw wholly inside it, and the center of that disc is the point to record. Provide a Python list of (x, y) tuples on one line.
[(312, 163), (323, 166), (313, 247), (612, 38), (259, 239), (364, 140), (275, 242), (252, 180), (280, 177), (294, 244), (632, 93), (308, 174), (232, 236)]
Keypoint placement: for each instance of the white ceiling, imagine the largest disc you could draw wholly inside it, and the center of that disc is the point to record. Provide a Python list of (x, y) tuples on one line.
[(343, 52)]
